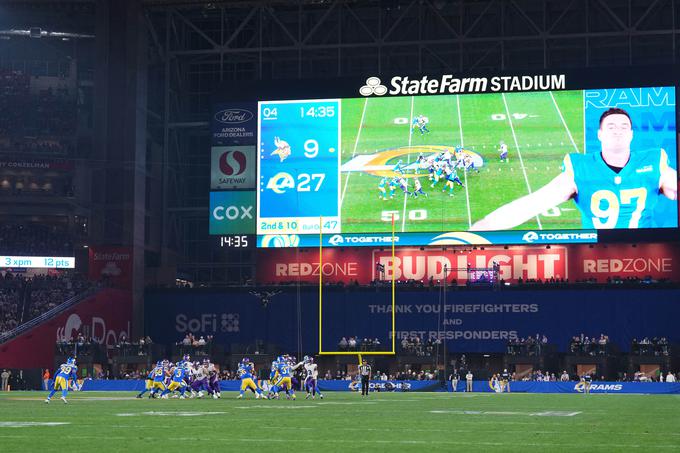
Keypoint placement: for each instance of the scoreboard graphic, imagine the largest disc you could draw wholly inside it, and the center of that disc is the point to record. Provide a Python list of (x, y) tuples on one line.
[(529, 165), (299, 167)]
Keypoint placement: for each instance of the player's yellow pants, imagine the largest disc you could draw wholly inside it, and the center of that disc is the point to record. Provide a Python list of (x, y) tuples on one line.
[(60, 383), (248, 383), (174, 385), (149, 384), (285, 383), (158, 385)]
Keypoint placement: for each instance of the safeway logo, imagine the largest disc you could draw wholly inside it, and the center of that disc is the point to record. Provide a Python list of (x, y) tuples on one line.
[(373, 86), (233, 116), (232, 163)]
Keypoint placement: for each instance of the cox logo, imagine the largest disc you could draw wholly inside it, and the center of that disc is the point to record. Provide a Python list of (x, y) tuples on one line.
[(530, 236), (233, 116), (280, 182), (336, 239), (233, 212), (232, 163), (373, 86)]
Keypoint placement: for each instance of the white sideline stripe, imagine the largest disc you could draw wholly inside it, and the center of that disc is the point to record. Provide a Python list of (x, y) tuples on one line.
[(354, 151), (251, 440), (519, 152), (564, 123), (462, 144), (410, 138)]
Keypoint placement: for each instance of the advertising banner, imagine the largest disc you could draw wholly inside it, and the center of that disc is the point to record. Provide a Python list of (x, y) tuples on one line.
[(658, 261), (105, 316), (232, 212), (234, 124), (111, 264), (232, 167), (467, 321)]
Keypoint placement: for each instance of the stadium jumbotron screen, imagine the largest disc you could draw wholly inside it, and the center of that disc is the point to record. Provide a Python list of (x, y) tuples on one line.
[(520, 167)]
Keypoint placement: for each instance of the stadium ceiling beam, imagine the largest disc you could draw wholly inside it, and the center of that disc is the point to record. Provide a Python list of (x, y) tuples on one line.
[(525, 16), (426, 42), (320, 22), (193, 26), (646, 13), (561, 16), (360, 21), (478, 19), (612, 14), (399, 20)]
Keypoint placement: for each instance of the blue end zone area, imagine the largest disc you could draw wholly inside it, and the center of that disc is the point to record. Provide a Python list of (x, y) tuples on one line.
[(433, 386)]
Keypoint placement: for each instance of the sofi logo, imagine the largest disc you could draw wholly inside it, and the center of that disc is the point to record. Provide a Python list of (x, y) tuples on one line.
[(232, 167), (232, 212)]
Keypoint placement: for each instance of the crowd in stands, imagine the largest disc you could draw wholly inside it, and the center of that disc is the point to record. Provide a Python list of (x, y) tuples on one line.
[(34, 239), (357, 344), (655, 346), (22, 298), (584, 345), (50, 113), (11, 291), (528, 346), (193, 345), (414, 345)]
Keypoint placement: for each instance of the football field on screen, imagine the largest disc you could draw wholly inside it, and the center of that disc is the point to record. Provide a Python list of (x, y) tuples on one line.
[(539, 128), (343, 421)]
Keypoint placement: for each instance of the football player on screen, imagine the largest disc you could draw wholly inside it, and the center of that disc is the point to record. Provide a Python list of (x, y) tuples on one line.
[(615, 188)]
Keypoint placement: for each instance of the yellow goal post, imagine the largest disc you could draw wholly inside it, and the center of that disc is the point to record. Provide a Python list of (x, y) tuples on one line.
[(393, 332)]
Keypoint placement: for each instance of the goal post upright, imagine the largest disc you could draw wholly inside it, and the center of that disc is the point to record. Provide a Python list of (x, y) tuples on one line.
[(359, 354)]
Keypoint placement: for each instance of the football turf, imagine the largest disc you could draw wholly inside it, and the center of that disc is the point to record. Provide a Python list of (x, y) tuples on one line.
[(539, 129), (116, 421)]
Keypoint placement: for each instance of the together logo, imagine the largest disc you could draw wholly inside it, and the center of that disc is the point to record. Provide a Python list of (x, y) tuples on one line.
[(373, 86), (530, 236)]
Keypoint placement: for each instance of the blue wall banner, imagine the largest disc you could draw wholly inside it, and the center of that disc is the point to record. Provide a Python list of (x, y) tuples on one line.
[(469, 321)]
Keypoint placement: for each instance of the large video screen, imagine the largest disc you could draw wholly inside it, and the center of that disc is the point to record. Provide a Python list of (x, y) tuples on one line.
[(477, 168)]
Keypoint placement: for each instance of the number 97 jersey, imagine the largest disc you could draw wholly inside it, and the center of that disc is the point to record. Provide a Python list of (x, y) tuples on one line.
[(608, 199)]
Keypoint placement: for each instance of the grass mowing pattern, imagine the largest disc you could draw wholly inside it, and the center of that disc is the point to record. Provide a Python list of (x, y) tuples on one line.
[(344, 422), (478, 122)]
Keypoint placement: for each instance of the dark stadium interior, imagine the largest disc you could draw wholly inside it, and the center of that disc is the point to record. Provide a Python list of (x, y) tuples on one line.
[(108, 110)]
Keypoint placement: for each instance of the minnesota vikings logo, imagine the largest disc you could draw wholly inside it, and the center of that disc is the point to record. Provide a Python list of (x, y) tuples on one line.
[(282, 149)]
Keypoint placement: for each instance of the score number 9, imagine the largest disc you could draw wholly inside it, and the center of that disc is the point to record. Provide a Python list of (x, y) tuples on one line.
[(611, 212), (311, 148)]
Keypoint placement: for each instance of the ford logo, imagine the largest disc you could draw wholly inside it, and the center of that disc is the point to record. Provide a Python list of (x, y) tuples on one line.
[(233, 116)]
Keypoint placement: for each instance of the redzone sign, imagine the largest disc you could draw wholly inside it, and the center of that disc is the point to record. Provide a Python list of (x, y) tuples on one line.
[(515, 263), (575, 262)]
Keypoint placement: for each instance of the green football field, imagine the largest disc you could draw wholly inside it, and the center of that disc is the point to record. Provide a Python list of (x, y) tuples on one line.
[(394, 422), (539, 129)]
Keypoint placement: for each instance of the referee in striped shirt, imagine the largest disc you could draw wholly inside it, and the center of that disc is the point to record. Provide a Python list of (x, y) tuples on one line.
[(365, 373)]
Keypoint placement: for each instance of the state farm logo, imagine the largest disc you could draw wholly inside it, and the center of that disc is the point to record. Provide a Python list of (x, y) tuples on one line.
[(373, 86), (233, 116), (232, 163)]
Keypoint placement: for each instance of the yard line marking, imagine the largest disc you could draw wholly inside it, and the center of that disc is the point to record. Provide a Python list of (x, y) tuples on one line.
[(519, 152), (564, 123), (408, 157), (354, 151), (462, 144)]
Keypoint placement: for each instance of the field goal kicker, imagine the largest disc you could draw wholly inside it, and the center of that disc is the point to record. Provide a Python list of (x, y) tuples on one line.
[(393, 330)]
